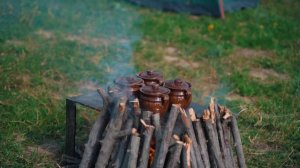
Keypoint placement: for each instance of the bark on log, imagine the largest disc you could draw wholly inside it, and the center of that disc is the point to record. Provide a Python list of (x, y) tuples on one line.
[(238, 143), (201, 141), (190, 130), (157, 131), (133, 151), (227, 137), (200, 137), (224, 151), (186, 155), (174, 155), (136, 113), (213, 139), (161, 152), (122, 146), (147, 136), (110, 138), (184, 162), (146, 116), (92, 146)]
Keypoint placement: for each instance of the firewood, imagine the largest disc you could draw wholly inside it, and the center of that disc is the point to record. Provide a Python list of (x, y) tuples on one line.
[(161, 152), (122, 146), (157, 131), (146, 116), (190, 130), (92, 146), (133, 151), (126, 132), (212, 139), (136, 112), (109, 140), (187, 160), (225, 117), (238, 143), (146, 138), (220, 132), (227, 139), (174, 155), (200, 137)]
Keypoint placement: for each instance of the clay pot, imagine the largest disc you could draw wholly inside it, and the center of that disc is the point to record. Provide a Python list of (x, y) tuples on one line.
[(129, 85), (180, 92), (154, 98), (151, 77)]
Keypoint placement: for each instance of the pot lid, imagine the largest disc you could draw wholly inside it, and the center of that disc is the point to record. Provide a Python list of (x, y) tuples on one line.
[(128, 81), (177, 84), (154, 90), (150, 74)]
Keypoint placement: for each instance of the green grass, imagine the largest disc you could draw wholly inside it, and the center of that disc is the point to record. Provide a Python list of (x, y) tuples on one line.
[(52, 50)]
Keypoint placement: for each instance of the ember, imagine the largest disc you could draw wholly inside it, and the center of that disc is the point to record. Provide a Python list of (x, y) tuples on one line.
[(140, 126)]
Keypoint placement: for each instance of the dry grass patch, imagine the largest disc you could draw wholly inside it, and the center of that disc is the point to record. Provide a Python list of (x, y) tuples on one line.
[(243, 58), (237, 97), (172, 55), (45, 34), (15, 42), (267, 75)]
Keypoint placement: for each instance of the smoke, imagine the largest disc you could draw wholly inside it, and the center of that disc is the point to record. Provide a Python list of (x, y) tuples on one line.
[(119, 28)]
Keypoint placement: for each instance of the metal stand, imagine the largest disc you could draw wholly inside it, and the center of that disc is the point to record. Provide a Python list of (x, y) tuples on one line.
[(91, 100)]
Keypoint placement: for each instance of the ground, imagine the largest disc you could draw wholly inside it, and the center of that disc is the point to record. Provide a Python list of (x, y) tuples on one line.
[(52, 50)]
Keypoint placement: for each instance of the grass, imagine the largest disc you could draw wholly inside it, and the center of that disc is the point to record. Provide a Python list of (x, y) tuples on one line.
[(52, 50)]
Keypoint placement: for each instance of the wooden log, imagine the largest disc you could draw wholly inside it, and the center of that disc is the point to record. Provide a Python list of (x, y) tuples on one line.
[(227, 140), (174, 155), (92, 146), (122, 146), (146, 138), (212, 139), (157, 131), (200, 136), (225, 116), (133, 151), (223, 148), (190, 130), (161, 152), (126, 132), (146, 116), (136, 113), (110, 138), (186, 155), (238, 143)]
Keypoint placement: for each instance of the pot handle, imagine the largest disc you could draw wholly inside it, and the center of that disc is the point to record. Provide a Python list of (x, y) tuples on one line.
[(160, 82), (188, 93)]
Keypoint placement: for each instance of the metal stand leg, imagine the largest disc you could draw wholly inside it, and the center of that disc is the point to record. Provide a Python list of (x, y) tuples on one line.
[(70, 127)]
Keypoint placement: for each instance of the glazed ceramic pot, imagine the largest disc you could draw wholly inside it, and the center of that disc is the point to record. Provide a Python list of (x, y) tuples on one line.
[(154, 98), (180, 92), (151, 77), (131, 85)]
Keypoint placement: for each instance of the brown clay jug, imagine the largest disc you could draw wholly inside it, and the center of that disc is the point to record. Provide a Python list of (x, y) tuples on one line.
[(154, 98), (180, 92), (151, 77)]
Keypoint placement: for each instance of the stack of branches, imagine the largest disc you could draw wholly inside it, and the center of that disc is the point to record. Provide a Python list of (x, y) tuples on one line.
[(124, 136)]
